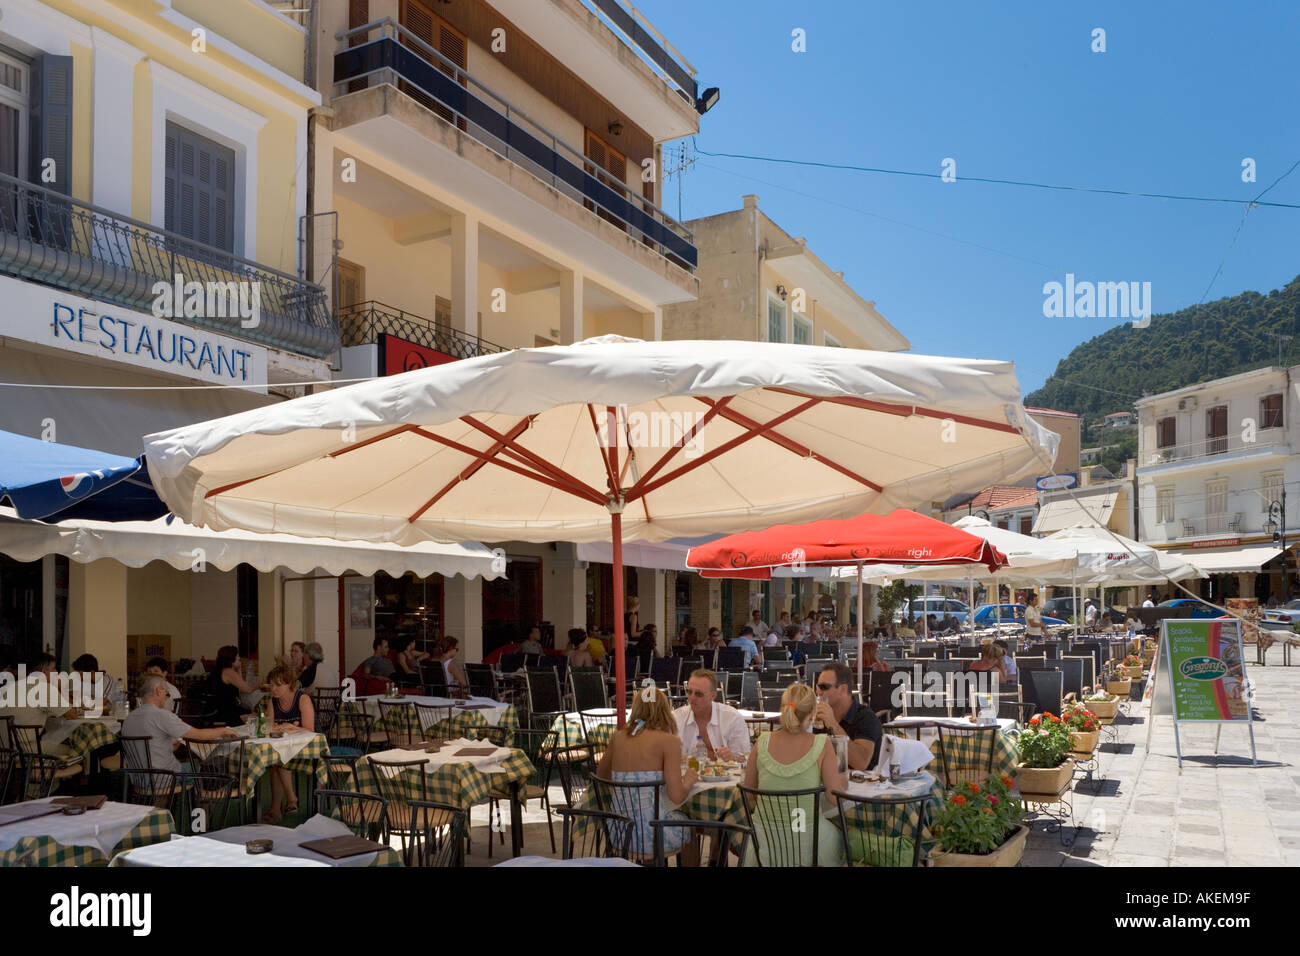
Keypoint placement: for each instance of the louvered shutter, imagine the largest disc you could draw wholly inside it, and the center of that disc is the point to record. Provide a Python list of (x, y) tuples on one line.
[(51, 121), (199, 191)]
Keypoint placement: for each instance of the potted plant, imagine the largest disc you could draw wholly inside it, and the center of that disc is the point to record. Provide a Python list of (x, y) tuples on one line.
[(1084, 725), (979, 825), (1045, 766), (1117, 684), (1104, 705), (1131, 667)]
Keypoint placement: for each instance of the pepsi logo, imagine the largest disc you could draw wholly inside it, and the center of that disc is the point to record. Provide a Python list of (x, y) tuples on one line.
[(70, 483)]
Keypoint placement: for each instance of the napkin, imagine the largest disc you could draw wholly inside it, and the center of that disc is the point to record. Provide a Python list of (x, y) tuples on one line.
[(910, 755), (322, 826)]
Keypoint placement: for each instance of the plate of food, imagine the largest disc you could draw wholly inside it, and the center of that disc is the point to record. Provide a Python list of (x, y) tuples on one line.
[(716, 773)]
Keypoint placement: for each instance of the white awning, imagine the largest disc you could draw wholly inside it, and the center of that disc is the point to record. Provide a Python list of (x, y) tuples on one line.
[(1063, 513), (136, 543), (1241, 559)]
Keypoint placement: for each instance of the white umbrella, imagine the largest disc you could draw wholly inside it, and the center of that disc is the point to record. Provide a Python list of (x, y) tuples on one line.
[(607, 438)]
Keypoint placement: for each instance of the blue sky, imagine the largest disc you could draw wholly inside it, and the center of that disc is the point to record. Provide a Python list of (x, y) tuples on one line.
[(1184, 92)]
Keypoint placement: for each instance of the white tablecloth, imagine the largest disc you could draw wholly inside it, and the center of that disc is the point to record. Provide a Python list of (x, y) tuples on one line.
[(205, 851), (916, 786), (286, 747), (580, 861), (484, 764), (491, 713), (287, 841), (103, 828)]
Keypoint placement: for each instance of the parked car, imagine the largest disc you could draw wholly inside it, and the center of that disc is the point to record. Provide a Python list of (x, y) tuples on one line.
[(986, 615), (936, 605), (1199, 608), (1063, 607), (1286, 615)]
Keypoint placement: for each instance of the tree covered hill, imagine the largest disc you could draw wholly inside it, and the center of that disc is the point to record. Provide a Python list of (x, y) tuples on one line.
[(1106, 373)]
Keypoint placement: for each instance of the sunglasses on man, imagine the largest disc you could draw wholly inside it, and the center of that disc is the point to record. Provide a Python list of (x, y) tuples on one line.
[(825, 687)]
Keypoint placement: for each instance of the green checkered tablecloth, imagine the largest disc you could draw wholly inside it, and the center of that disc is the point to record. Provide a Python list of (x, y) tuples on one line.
[(965, 750), (260, 756), (155, 827), (720, 803), (568, 733), (404, 720), (890, 822), (459, 784), (89, 737)]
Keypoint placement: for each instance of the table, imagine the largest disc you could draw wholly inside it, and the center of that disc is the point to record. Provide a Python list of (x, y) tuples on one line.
[(229, 849), (89, 839), (1005, 756), (84, 736), (298, 752), (461, 782), (495, 714), (867, 816)]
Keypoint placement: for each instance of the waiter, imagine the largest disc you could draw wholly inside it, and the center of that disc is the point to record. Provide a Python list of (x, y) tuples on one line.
[(1033, 618)]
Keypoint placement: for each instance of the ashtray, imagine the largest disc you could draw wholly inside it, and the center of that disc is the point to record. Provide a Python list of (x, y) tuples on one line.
[(255, 847), (73, 811)]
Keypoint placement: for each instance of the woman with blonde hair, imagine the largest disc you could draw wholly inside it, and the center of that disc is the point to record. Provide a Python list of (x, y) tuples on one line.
[(794, 758), (648, 750), (991, 659)]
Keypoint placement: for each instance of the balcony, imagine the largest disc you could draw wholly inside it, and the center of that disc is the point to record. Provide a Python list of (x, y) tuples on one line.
[(49, 238), (364, 322), (384, 54), (1215, 450), (1212, 524)]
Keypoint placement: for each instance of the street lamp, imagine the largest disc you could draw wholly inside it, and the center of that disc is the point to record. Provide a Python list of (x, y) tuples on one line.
[(1277, 522)]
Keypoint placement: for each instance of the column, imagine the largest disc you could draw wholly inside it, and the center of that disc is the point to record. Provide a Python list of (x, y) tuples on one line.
[(463, 610), (569, 589), (652, 325), (570, 307), (270, 637), (97, 613), (652, 590), (464, 276)]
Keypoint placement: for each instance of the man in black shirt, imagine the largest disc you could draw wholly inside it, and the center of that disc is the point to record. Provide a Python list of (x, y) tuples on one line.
[(845, 717)]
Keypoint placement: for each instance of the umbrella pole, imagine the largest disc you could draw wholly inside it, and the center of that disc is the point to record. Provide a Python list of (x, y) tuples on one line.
[(859, 627), (620, 637), (970, 595), (1074, 599)]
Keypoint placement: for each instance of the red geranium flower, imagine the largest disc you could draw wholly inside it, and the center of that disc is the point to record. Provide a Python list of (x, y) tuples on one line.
[(1034, 721), (959, 801), (973, 787), (993, 800), (988, 809), (1008, 782), (1087, 725)]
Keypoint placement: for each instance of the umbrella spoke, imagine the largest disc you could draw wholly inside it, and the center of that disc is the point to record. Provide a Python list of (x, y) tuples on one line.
[(906, 411), (524, 456), (608, 445), (688, 436)]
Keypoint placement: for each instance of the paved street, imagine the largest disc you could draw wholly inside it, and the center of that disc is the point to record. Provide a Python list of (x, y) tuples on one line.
[(1218, 809)]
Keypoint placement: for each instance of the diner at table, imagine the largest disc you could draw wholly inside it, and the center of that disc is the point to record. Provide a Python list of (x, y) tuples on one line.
[(225, 684), (842, 716), (579, 652), (154, 718), (160, 667), (292, 712), (706, 727)]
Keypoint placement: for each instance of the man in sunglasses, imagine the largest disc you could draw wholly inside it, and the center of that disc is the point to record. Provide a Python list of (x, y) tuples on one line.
[(705, 724), (842, 716)]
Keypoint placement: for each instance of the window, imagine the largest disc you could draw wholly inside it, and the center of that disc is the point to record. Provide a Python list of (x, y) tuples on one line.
[(1026, 524), (13, 117), (429, 28), (1216, 430), (831, 341), (1272, 490), (803, 331), (1216, 496), (1166, 432), (1164, 504), (200, 187), (775, 319), (1270, 411), (609, 166)]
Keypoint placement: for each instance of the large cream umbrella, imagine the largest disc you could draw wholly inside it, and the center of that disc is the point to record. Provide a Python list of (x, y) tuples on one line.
[(605, 439)]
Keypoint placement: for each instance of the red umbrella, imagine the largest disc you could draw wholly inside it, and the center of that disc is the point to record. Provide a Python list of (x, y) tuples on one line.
[(900, 537)]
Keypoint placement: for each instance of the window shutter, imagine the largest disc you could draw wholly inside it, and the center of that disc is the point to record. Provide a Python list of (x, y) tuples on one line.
[(199, 192), (51, 136), (358, 13), (451, 45)]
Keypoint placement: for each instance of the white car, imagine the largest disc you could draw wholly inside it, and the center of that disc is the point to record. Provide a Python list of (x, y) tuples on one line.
[(936, 605), (1283, 616)]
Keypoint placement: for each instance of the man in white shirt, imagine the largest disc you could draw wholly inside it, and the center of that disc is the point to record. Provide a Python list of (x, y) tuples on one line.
[(719, 729), (1033, 618), (1089, 612), (1150, 601), (756, 622)]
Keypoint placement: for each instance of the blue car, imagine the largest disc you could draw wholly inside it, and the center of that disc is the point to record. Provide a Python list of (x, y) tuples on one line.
[(987, 615), (1199, 608)]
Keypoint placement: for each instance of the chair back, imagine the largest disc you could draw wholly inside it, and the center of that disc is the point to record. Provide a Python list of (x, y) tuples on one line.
[(966, 755), (812, 666), (26, 738), (595, 833), (831, 649), (1086, 665), (774, 654), (694, 663), (220, 758), (438, 832), (770, 698), (399, 720), (638, 802), (201, 803), (399, 782), (781, 677), (544, 695), (1073, 676), (880, 692), (509, 663), (588, 687), (1096, 650), (482, 680), (1030, 661), (365, 814), (10, 768), (666, 671), (879, 830), (1043, 689), (433, 678), (731, 658), (431, 717), (326, 698), (716, 840), (354, 728), (40, 775), (768, 814), (1051, 649), (679, 650)]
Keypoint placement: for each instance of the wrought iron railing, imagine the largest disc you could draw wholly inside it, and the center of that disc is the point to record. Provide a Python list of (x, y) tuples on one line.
[(387, 53), (50, 238), (1212, 524), (364, 322)]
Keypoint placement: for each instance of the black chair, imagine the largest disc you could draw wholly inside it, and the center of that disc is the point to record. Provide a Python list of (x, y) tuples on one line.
[(536, 787), (355, 732), (680, 650), (439, 833), (1089, 675), (40, 775), (717, 852), (482, 681), (197, 711), (365, 814), (1073, 678), (1051, 649), (433, 679), (871, 841), (774, 654), (201, 802), (703, 657), (431, 716), (812, 666), (770, 813), (880, 693), (510, 663), (1030, 661), (224, 759), (630, 800), (404, 784), (327, 698), (770, 698), (1097, 650), (341, 771), (545, 702), (966, 755), (832, 649), (559, 664), (11, 769), (1042, 689), (400, 722), (731, 658), (783, 677), (595, 833), (587, 684), (749, 697), (28, 740), (533, 660)]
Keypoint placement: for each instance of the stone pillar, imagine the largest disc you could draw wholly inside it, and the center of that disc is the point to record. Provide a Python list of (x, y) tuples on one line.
[(569, 587), (97, 613), (570, 307), (651, 588), (463, 612), (652, 325), (464, 276)]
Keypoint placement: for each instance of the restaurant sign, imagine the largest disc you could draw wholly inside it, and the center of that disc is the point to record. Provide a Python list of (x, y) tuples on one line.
[(1058, 482), (397, 355), (1216, 543), (1206, 668)]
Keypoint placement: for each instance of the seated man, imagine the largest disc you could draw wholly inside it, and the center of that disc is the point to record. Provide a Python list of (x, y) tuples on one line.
[(534, 643), (716, 728), (378, 664), (158, 667), (37, 702), (154, 719), (745, 640), (845, 717)]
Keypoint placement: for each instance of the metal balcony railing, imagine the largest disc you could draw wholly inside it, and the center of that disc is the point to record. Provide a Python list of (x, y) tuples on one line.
[(385, 52), (1219, 445), (364, 322), (1212, 524), (49, 238)]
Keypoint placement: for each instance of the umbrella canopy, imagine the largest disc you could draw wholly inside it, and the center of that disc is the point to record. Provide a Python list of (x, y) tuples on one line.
[(867, 539), (42, 478), (1112, 559), (608, 437)]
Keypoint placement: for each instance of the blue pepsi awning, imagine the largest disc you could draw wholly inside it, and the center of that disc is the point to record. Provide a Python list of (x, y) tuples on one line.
[(42, 478)]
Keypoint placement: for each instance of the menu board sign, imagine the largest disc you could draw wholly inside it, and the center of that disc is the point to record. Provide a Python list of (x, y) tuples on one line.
[(1205, 669)]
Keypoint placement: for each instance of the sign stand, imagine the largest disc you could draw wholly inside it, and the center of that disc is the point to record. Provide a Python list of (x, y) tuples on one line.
[(1207, 679)]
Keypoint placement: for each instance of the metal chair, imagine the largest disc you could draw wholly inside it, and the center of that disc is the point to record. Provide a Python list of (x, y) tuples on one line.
[(639, 802), (433, 679), (594, 833), (703, 657), (870, 840), (28, 740), (482, 681), (400, 722), (775, 654), (356, 733), (731, 658), (439, 832), (545, 701), (769, 814), (966, 755), (749, 696), (216, 758), (365, 814), (1043, 689), (723, 835), (40, 775), (341, 771), (430, 717), (812, 666), (666, 672), (537, 786), (509, 663), (327, 698), (10, 767), (770, 698), (587, 685), (403, 784), (201, 802)]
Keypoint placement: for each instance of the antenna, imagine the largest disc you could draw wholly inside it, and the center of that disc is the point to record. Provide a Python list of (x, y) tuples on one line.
[(685, 159), (1280, 339)]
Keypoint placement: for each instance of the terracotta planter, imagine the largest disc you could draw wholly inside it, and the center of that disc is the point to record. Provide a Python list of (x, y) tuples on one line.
[(1085, 741), (1008, 854), (1105, 709), (1119, 688), (1043, 781)]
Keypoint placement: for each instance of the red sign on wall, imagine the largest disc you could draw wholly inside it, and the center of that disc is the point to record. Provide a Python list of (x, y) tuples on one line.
[(397, 355)]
